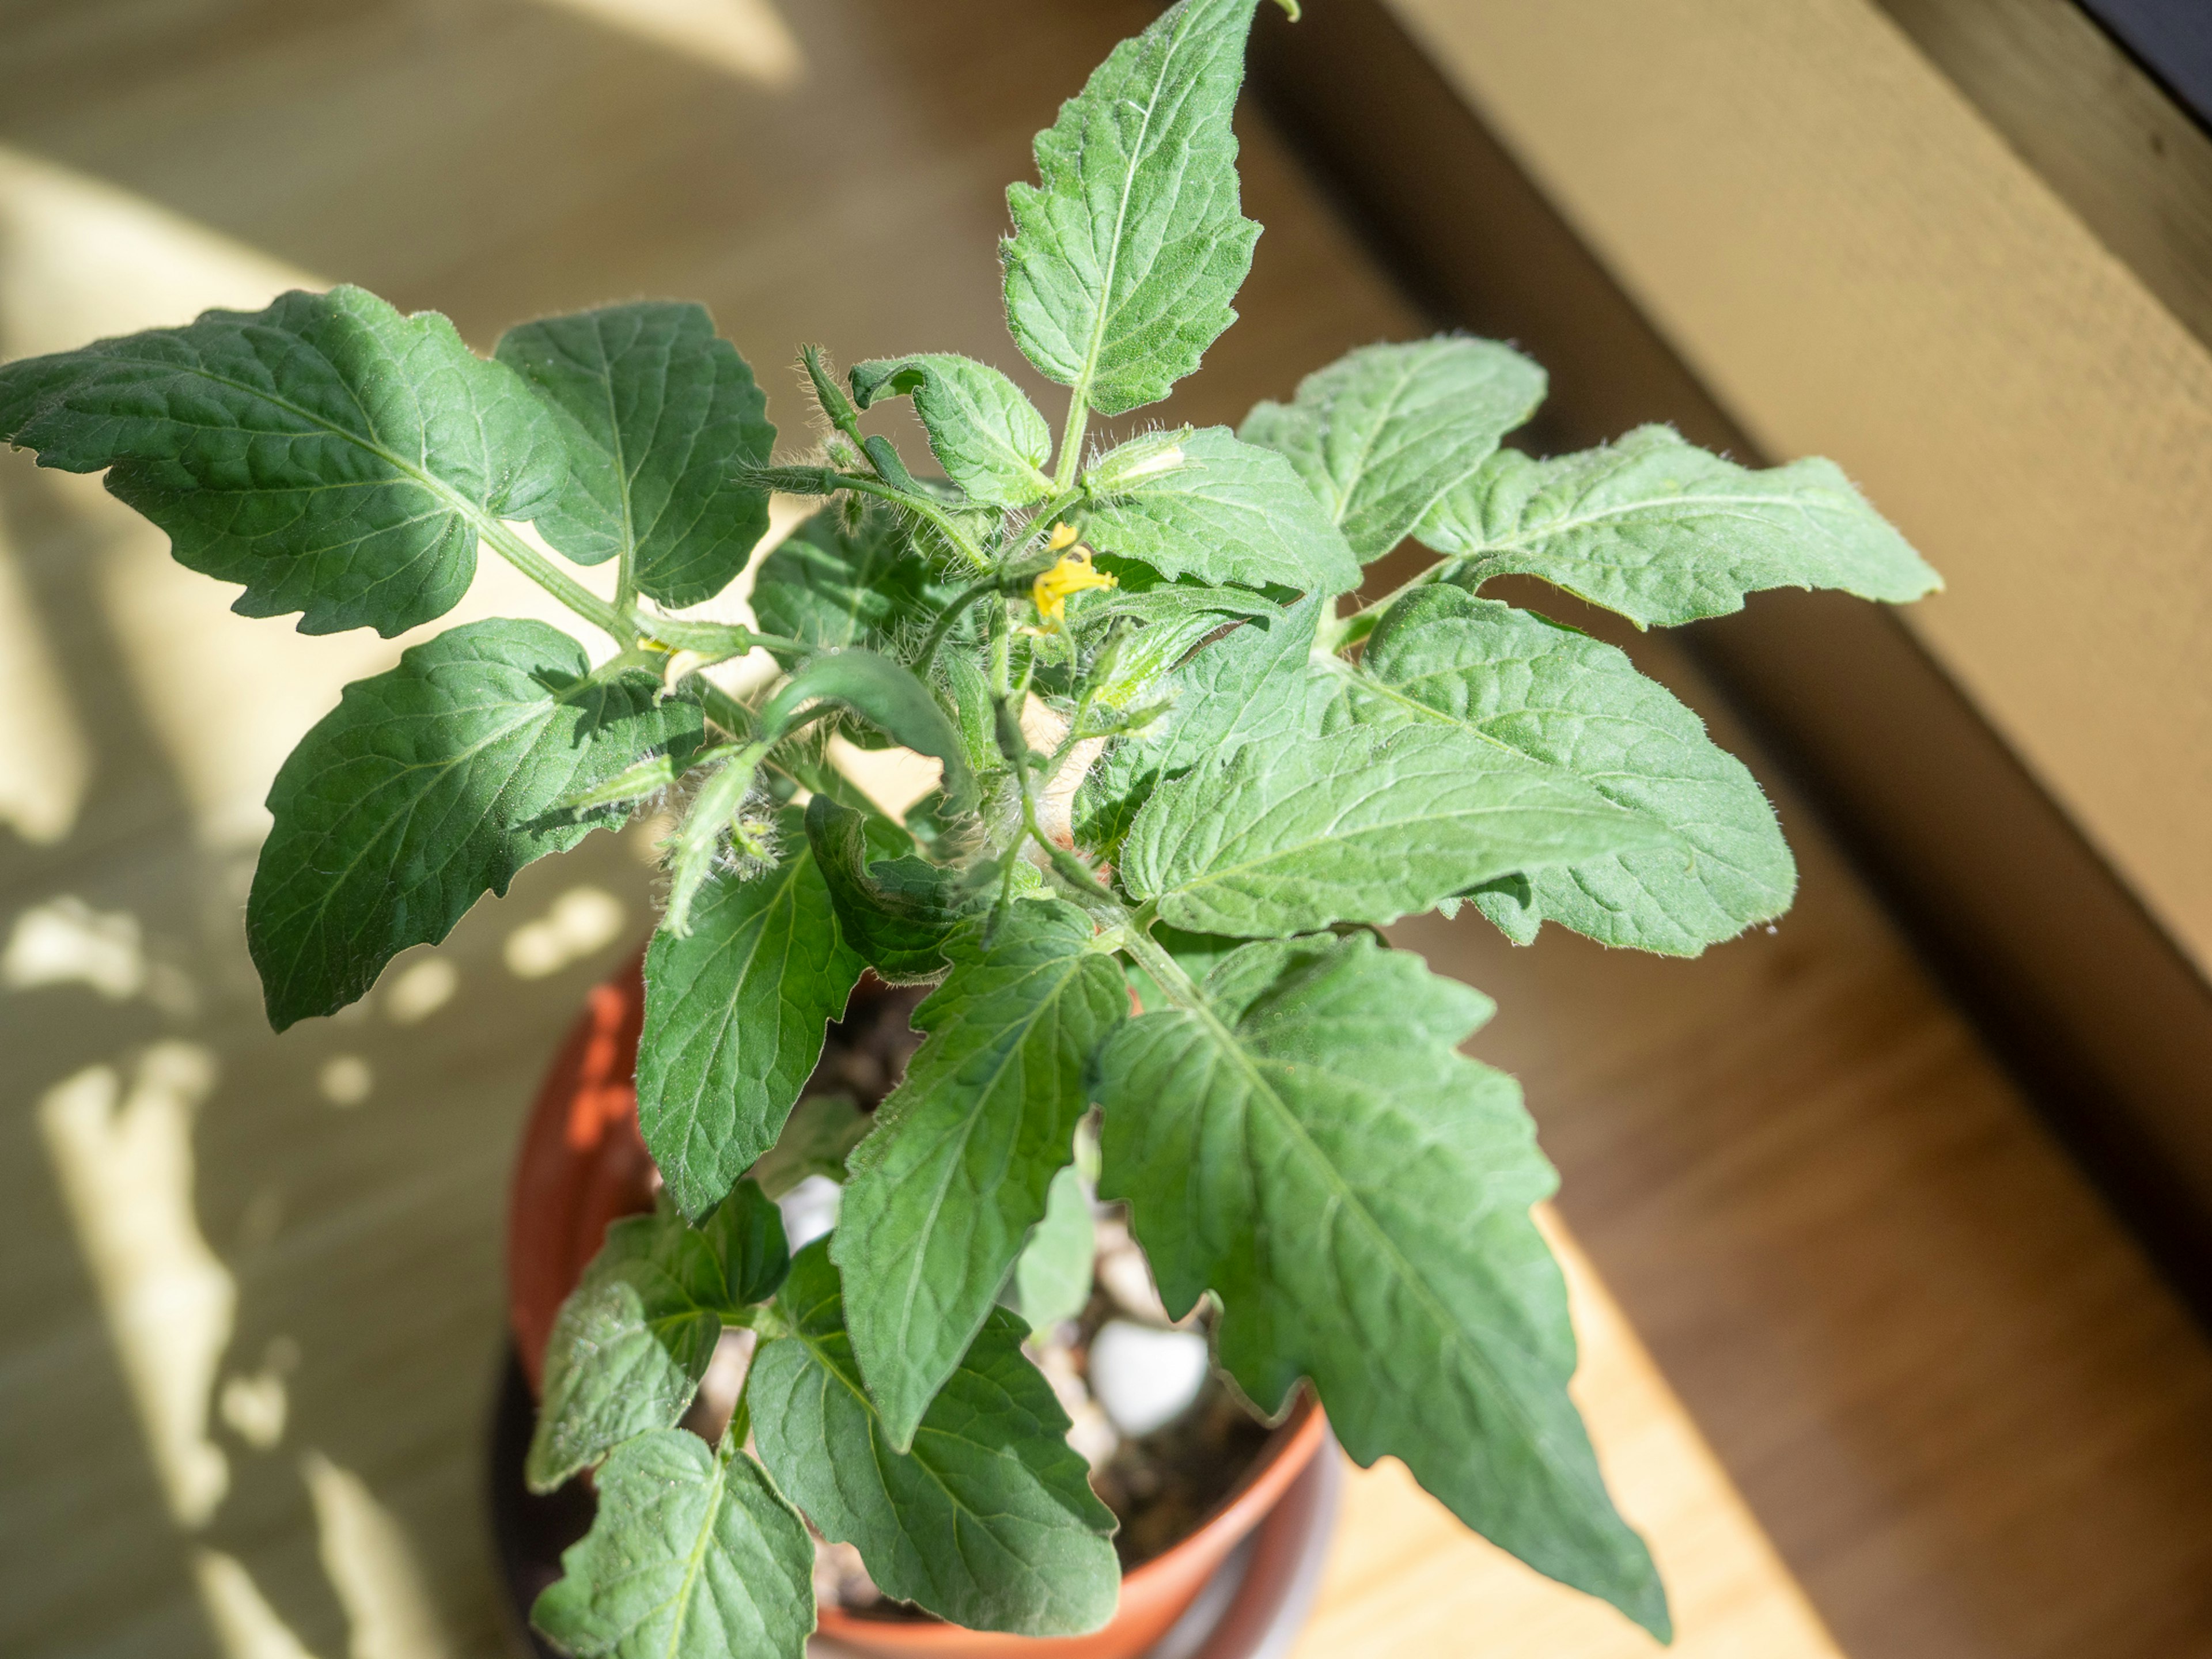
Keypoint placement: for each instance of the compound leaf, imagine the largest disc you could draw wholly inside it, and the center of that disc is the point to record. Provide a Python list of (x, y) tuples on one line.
[(1310, 1146), (1363, 825), (735, 1013), (988, 1521), (1577, 704), (1125, 256), (942, 1195), (658, 413), (988, 436), (693, 1555), (1381, 434), (337, 458), (430, 785), (1231, 512), (1664, 533)]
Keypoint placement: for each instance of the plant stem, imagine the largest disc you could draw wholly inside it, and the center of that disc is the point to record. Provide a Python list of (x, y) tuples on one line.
[(922, 506), (1070, 868), (1154, 958), (951, 614), (1350, 630), (607, 617), (725, 710), (1070, 441)]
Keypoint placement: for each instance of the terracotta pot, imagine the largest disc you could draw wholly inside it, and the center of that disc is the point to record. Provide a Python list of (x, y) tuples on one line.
[(582, 1165)]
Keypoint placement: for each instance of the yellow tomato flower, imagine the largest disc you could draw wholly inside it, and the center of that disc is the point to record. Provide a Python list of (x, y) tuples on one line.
[(1063, 536), (1072, 575)]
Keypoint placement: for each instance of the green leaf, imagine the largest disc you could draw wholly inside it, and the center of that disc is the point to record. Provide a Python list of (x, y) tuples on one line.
[(429, 786), (1166, 602), (1052, 1275), (1578, 705), (1381, 434), (628, 1345), (1361, 826), (816, 1136), (734, 1016), (897, 912), (1122, 265), (1254, 684), (887, 697), (337, 458), (989, 438), (1231, 513), (1663, 533), (834, 586), (943, 1192), (693, 1555), (745, 1233), (1311, 1147), (989, 1520), (658, 414)]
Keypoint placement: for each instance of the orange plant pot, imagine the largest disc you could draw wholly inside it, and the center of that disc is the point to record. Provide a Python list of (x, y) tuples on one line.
[(582, 1165)]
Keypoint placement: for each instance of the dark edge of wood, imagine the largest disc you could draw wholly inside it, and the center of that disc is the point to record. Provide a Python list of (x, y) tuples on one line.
[(2103, 1022), (2129, 162)]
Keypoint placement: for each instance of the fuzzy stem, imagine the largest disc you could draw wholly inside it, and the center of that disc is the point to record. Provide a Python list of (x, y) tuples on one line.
[(608, 618)]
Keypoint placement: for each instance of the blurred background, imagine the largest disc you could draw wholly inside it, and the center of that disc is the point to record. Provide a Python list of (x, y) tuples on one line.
[(1887, 1226)]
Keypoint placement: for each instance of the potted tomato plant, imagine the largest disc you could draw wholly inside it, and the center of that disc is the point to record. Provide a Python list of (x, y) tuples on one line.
[(1176, 759)]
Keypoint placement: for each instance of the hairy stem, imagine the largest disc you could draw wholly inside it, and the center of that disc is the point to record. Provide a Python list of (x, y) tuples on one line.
[(1071, 440), (1336, 633), (920, 506), (946, 619), (602, 616)]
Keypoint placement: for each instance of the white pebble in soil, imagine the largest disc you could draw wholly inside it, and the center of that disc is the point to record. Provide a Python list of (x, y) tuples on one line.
[(1145, 1378), (810, 1210)]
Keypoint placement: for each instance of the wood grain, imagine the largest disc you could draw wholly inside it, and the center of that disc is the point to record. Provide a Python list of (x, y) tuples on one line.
[(1862, 1355)]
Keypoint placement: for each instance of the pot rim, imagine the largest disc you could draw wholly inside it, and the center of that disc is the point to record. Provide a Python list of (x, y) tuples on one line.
[(1279, 1462)]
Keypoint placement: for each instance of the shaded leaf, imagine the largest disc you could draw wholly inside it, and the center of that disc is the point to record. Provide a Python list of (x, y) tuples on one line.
[(989, 1520), (745, 1233), (735, 1013), (943, 1192), (820, 1131), (693, 1555), (1311, 1148), (897, 911), (833, 586), (887, 697), (628, 1345), (658, 413), (429, 786)]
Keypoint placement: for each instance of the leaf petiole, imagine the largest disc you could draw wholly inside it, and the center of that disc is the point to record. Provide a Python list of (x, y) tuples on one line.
[(503, 540)]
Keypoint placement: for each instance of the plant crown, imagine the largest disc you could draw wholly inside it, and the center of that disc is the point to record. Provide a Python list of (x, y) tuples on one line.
[(1172, 759)]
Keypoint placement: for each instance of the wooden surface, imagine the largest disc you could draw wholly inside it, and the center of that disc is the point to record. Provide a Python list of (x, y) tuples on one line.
[(1875, 1372), (1848, 253)]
